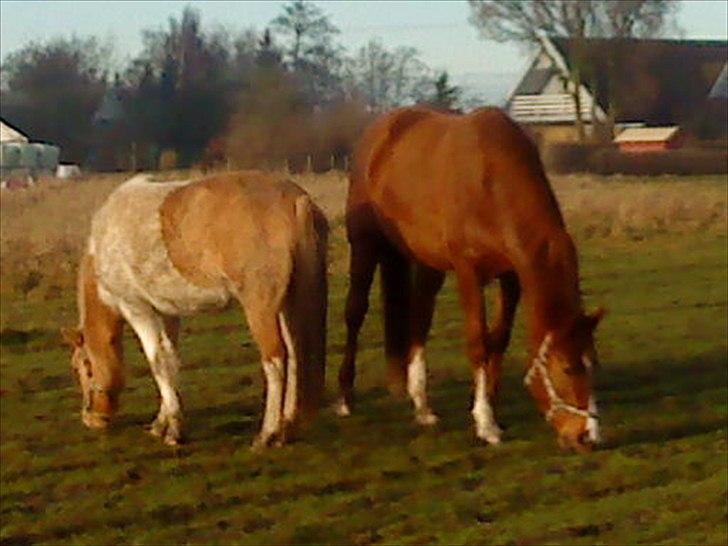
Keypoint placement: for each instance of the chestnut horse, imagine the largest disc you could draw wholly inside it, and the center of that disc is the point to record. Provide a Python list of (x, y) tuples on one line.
[(432, 192), (158, 251)]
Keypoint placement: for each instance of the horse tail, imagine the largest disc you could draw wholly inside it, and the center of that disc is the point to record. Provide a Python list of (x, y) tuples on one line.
[(396, 288), (305, 308)]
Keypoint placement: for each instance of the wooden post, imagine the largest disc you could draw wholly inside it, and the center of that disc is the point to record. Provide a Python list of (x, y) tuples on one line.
[(133, 156), (309, 163)]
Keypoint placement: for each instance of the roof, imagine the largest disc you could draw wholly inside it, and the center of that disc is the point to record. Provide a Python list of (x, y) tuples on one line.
[(647, 134), (9, 133), (720, 88), (659, 82), (534, 81)]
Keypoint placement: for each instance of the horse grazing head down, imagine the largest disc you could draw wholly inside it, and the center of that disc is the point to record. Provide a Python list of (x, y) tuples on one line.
[(100, 399), (560, 380)]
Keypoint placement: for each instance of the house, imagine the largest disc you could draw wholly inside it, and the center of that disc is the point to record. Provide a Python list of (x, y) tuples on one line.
[(629, 82), (648, 139), (10, 134), (22, 159)]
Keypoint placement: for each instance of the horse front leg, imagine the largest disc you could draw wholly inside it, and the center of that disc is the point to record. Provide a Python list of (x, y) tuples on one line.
[(158, 337), (427, 283), (471, 298)]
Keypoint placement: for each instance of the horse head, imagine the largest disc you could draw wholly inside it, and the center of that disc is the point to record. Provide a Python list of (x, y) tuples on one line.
[(560, 379), (100, 400)]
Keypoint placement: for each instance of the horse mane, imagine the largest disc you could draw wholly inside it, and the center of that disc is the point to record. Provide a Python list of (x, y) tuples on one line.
[(101, 326)]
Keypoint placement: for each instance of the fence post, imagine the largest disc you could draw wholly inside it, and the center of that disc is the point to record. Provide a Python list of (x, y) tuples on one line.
[(309, 163), (133, 156)]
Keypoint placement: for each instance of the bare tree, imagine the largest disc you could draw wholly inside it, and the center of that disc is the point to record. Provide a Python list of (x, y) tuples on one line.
[(526, 21), (306, 26), (311, 52), (386, 78)]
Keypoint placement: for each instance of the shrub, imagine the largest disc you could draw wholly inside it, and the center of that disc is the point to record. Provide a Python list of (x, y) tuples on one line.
[(606, 160)]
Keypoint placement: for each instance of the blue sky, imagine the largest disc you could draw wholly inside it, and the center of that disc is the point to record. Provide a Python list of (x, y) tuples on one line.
[(438, 29)]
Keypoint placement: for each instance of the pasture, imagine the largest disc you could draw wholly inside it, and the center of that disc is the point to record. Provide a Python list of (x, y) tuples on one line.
[(653, 252)]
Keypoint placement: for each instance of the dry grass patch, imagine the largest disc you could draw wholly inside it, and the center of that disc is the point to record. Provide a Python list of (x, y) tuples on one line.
[(638, 206), (44, 227)]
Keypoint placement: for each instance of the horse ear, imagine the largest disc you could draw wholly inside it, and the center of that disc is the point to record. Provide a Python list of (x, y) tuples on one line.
[(593, 319), (72, 337)]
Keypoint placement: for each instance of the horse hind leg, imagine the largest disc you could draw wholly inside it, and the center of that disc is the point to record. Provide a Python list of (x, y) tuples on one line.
[(290, 400), (363, 262), (500, 334), (427, 283), (396, 292), (158, 337), (263, 322)]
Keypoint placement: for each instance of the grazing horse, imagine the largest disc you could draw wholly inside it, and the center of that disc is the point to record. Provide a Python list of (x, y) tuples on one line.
[(432, 192), (158, 251)]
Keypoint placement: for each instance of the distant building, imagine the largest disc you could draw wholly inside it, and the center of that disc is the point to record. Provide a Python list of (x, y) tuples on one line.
[(10, 134), (637, 82), (648, 139), (22, 159)]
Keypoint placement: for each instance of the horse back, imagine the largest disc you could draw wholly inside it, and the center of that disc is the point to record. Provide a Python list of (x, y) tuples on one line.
[(184, 247), (447, 186), (231, 226)]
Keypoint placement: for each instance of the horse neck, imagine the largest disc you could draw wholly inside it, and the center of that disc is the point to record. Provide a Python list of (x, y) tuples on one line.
[(101, 327), (550, 279)]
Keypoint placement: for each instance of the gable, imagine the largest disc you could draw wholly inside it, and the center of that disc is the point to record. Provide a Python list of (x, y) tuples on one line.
[(10, 134)]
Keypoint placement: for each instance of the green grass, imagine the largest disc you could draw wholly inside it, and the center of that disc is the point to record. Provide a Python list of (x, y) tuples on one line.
[(376, 477)]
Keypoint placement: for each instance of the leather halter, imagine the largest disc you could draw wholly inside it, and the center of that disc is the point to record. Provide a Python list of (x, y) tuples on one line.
[(556, 403)]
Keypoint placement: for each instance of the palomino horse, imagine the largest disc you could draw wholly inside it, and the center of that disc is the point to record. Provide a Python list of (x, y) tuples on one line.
[(158, 251), (432, 192)]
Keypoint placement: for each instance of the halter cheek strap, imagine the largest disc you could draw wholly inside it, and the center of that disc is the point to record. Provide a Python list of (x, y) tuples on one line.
[(556, 403)]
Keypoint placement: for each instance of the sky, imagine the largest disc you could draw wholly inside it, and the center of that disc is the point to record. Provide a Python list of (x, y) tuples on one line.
[(438, 29)]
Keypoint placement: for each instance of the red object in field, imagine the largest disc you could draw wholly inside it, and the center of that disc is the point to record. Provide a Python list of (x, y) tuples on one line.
[(648, 139)]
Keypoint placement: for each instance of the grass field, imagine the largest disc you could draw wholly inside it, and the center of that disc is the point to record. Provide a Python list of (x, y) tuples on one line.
[(652, 251)]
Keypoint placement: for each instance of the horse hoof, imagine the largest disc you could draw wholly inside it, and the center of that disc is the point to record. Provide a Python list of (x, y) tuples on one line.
[(427, 419), (261, 443), (157, 428), (171, 441), (342, 409), (490, 436)]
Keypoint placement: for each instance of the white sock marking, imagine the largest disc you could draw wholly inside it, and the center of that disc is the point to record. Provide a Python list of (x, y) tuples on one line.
[(290, 403), (274, 372), (417, 387), (485, 426)]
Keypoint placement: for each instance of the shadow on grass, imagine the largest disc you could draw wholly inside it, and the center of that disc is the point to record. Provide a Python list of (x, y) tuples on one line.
[(641, 388), (17, 341)]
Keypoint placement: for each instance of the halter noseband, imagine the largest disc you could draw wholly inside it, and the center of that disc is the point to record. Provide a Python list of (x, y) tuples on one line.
[(538, 365)]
